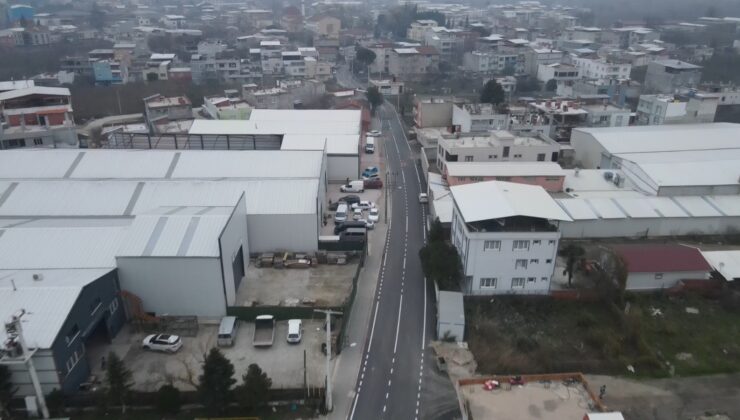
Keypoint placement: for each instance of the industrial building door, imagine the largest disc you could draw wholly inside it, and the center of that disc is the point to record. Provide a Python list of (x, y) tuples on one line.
[(237, 267)]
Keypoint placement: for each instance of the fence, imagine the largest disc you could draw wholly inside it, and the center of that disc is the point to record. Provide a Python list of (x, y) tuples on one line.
[(281, 313), (171, 141), (348, 305)]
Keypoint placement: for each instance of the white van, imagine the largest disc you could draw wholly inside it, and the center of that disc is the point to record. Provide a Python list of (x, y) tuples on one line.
[(370, 145), (227, 331), (341, 213), (295, 330), (353, 186)]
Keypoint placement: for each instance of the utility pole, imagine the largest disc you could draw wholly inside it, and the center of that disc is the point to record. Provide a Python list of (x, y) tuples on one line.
[(329, 313), (17, 352)]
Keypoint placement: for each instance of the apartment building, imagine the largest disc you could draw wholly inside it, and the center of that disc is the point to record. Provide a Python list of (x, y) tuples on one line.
[(159, 110), (562, 116), (564, 76), (476, 118), (507, 237), (670, 76), (418, 29), (548, 175), (675, 109), (271, 57), (600, 68), (37, 116), (413, 63), (537, 56), (498, 146), (432, 112)]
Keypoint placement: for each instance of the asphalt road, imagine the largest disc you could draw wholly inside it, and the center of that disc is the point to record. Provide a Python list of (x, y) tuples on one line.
[(396, 358)]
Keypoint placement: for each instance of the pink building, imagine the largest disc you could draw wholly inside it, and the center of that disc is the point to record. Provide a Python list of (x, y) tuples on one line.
[(548, 175)]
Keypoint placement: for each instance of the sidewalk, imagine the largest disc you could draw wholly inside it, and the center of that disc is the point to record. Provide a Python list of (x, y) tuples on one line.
[(347, 364)]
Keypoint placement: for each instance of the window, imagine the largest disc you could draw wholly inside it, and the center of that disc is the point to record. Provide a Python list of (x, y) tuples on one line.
[(492, 245), (95, 305), (658, 276), (521, 245), (536, 242), (72, 361), (38, 141), (531, 279), (506, 151), (604, 118), (488, 282), (534, 261), (517, 156), (520, 264), (540, 157), (14, 143), (548, 261), (113, 306), (72, 334), (551, 242), (517, 283), (468, 158), (544, 279), (490, 156)]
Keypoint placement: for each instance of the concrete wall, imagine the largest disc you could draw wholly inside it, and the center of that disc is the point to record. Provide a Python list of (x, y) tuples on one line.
[(588, 150), (341, 167), (175, 285), (651, 281), (286, 232), (433, 114), (452, 329), (649, 227), (232, 238)]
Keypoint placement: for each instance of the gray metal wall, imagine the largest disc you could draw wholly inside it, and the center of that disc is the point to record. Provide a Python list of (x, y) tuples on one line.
[(283, 232)]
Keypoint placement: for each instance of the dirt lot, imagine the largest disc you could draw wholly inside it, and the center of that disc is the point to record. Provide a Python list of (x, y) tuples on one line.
[(282, 362), (658, 337), (326, 285)]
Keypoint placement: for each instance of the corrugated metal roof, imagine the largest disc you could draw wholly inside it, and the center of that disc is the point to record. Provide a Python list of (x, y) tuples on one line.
[(174, 236), (344, 144), (247, 127), (727, 262), (67, 198), (307, 115), (59, 247), (696, 206), (47, 302), (158, 164), (496, 199), (36, 90)]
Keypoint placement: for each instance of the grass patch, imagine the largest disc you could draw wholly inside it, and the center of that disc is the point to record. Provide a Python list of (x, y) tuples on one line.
[(538, 335)]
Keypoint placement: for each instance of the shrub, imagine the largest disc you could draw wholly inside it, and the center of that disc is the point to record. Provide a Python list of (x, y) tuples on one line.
[(526, 344), (169, 400), (586, 320)]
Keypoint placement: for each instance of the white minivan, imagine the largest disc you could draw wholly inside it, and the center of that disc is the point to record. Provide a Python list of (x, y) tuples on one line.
[(370, 145), (295, 330), (341, 213), (227, 331), (353, 186)]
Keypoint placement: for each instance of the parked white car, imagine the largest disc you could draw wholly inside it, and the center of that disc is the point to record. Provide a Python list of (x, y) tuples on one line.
[(356, 214), (168, 343), (363, 205), (373, 215), (295, 331), (374, 133), (423, 198), (369, 224)]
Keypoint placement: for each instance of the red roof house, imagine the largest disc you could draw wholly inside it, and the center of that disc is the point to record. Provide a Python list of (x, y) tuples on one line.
[(661, 266)]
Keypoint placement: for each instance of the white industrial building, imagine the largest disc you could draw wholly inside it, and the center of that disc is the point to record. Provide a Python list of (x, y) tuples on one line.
[(507, 237), (179, 226), (668, 160), (337, 132)]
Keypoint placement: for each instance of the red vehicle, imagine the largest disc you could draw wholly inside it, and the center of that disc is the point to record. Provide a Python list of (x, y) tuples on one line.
[(373, 183)]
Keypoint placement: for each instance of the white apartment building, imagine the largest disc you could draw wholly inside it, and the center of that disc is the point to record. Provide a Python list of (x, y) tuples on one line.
[(418, 29), (560, 72), (599, 68), (541, 56), (499, 146), (478, 118), (669, 109), (271, 57), (507, 237)]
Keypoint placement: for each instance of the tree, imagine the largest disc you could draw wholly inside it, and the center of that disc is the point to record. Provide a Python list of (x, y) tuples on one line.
[(216, 381), (364, 56), (527, 84), (152, 77), (7, 390), (509, 70), (492, 93), (572, 254), (97, 17), (374, 97), (436, 233), (256, 388), (168, 400), (118, 379), (551, 85), (440, 261)]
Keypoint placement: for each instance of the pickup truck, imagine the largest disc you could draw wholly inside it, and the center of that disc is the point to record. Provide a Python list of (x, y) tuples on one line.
[(264, 331)]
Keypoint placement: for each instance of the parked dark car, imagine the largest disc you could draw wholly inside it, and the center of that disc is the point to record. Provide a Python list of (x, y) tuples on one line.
[(373, 183), (349, 224), (349, 199), (353, 235)]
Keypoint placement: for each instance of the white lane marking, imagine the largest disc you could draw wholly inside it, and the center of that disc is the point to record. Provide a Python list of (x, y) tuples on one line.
[(391, 371), (407, 223), (404, 263), (384, 409), (418, 178), (403, 175), (424, 327), (401, 125), (354, 406), (386, 395), (398, 323), (389, 382), (372, 329)]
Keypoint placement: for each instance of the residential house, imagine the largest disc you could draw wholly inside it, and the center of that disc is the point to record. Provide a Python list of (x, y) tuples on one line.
[(161, 110), (417, 30), (564, 75), (324, 26), (37, 116), (226, 108), (476, 118), (507, 237), (675, 109), (432, 112), (548, 175), (413, 63), (109, 72), (600, 68)]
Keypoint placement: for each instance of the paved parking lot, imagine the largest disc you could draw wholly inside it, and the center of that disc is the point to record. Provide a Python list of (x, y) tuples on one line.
[(283, 362)]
